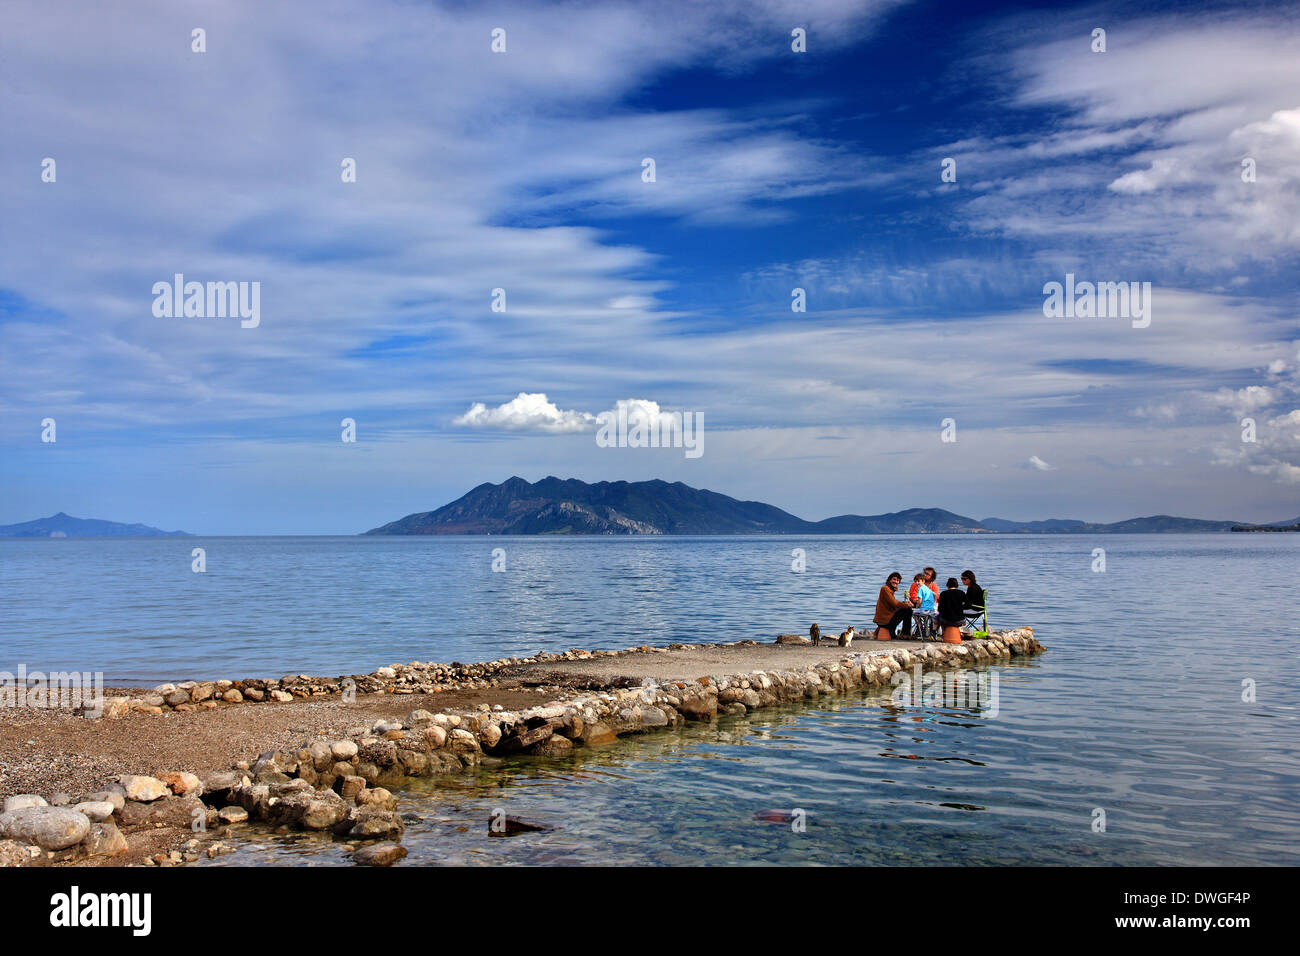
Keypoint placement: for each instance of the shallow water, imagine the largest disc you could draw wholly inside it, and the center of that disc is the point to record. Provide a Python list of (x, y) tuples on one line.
[(1137, 709), (876, 784)]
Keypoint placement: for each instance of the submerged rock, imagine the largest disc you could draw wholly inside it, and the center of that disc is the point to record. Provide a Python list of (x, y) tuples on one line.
[(500, 825), (379, 854)]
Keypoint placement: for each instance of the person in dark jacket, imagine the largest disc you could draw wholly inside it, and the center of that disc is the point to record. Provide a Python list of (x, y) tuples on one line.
[(974, 593), (952, 605)]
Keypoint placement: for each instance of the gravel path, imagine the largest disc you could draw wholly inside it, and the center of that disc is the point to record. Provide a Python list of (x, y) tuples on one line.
[(52, 750)]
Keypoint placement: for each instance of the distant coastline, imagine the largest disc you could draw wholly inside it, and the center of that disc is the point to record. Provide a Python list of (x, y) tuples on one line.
[(65, 526), (555, 506)]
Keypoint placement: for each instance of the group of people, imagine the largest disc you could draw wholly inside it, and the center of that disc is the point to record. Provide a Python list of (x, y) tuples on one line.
[(925, 603)]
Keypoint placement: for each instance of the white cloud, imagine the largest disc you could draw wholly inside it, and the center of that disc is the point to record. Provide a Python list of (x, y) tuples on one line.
[(527, 412), (1187, 131), (534, 412), (1038, 464)]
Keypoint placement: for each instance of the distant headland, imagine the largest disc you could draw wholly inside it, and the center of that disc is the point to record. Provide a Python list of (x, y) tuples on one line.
[(65, 526), (569, 506)]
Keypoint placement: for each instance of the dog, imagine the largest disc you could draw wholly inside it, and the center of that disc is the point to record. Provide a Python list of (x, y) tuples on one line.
[(815, 633), (846, 638)]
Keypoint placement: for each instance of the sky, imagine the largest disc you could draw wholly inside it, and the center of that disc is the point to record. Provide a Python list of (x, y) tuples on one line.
[(1170, 158)]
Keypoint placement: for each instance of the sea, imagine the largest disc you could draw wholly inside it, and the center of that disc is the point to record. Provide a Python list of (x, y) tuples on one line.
[(1159, 728)]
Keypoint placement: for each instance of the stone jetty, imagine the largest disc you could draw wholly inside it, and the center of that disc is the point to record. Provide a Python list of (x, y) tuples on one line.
[(340, 785)]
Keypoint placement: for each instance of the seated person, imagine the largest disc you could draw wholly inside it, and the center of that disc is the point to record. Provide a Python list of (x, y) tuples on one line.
[(924, 601), (974, 601), (930, 575), (952, 606), (890, 611)]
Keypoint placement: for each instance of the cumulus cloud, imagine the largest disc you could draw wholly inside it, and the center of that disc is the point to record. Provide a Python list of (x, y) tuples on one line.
[(534, 412), (527, 412), (1038, 464)]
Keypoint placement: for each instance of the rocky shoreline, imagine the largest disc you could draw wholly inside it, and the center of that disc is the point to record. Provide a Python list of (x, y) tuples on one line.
[(339, 784)]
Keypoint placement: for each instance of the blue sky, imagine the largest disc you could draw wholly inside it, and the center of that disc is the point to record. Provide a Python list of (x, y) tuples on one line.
[(523, 171)]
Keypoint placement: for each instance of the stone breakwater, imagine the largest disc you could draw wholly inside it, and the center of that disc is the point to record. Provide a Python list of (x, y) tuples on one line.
[(414, 678), (339, 785)]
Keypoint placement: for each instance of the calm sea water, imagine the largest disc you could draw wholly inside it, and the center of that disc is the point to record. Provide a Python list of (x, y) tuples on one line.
[(1136, 709)]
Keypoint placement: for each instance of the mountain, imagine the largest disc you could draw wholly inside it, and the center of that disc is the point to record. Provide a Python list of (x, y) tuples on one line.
[(65, 526), (558, 506), (569, 506), (1155, 524), (911, 521), (1050, 525)]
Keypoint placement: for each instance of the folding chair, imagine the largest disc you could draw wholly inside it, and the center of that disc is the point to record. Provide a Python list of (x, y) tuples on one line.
[(979, 616)]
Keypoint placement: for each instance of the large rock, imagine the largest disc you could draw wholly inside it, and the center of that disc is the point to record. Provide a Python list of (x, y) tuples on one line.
[(97, 810), (598, 732), (178, 812), (653, 717), (377, 797), (525, 738), (143, 789), (372, 823), (463, 742), (104, 839), (183, 784), (233, 815), (349, 787), (22, 801), (343, 750), (50, 828), (699, 707), (322, 755), (310, 810), (218, 785), (553, 746)]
